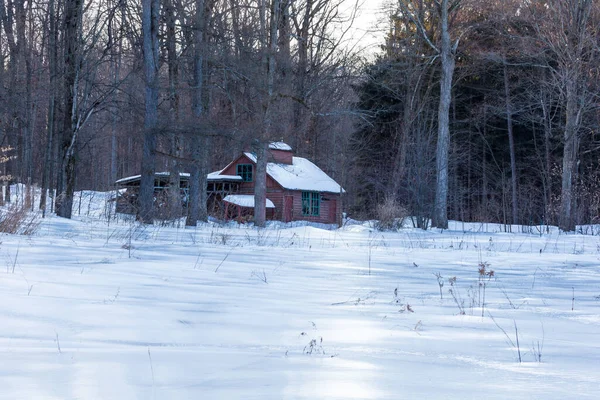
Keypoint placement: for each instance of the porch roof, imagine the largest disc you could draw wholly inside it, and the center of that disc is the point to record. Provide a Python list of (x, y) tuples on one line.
[(245, 200), (184, 176)]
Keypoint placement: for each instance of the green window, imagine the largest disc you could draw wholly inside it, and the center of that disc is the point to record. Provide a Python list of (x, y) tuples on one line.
[(245, 171), (311, 203)]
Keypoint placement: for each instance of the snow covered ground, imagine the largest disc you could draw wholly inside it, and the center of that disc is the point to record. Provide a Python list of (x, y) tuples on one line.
[(91, 309)]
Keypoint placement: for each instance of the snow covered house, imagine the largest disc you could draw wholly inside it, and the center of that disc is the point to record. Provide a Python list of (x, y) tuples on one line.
[(297, 190)]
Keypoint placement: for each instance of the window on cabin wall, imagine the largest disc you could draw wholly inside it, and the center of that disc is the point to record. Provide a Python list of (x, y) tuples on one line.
[(311, 204), (245, 171), (185, 196)]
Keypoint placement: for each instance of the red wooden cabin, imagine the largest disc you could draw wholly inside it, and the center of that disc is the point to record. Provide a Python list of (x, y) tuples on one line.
[(297, 190)]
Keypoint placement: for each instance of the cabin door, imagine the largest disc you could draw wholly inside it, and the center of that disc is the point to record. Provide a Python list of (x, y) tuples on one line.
[(333, 212), (288, 206)]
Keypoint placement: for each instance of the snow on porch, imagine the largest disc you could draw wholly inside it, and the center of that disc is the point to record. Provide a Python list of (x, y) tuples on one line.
[(245, 200)]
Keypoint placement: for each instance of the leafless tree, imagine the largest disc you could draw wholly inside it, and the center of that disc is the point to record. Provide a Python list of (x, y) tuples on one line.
[(446, 50), (150, 28), (567, 30)]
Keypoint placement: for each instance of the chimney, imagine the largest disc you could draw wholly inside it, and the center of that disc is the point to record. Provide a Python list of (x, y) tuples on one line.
[(281, 153)]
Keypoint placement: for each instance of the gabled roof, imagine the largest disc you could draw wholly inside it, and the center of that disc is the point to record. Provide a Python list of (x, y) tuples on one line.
[(300, 175)]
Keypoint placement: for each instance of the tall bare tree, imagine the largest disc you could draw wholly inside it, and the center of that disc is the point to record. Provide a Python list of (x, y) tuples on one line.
[(567, 28), (269, 44), (70, 123), (199, 137), (50, 123), (175, 146), (150, 28), (446, 50)]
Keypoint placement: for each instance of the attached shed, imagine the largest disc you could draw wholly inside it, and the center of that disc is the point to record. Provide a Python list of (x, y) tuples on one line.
[(241, 207), (218, 187)]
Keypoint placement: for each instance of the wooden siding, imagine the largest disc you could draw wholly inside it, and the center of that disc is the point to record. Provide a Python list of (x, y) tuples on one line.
[(327, 200), (277, 197)]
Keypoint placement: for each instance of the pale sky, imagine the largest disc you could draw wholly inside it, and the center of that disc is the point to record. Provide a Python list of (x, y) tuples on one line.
[(370, 26)]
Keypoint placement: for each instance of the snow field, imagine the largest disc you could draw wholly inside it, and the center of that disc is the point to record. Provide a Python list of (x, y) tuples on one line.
[(97, 310)]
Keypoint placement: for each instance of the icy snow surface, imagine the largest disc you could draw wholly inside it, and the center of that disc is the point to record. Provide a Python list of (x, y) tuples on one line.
[(91, 309)]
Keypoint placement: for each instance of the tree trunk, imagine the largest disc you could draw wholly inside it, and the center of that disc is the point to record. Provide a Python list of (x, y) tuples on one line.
[(114, 142), (206, 145), (301, 76), (511, 147), (197, 191), (569, 162), (73, 17), (440, 212), (7, 18), (199, 169), (260, 183), (547, 174), (194, 184), (150, 21), (27, 125), (174, 202), (484, 184), (261, 147), (574, 72), (52, 59)]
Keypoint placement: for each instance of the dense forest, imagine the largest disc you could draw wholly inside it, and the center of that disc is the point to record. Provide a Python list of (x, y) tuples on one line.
[(471, 110)]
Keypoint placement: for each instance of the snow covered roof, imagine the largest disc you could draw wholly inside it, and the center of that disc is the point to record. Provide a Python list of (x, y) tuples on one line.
[(213, 176), (280, 146), (127, 179), (300, 175), (156, 174), (245, 200)]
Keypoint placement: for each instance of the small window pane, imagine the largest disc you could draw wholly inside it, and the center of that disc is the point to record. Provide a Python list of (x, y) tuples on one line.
[(245, 171), (311, 204)]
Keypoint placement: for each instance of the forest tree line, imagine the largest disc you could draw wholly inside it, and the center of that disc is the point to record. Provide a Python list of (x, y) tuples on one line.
[(471, 110)]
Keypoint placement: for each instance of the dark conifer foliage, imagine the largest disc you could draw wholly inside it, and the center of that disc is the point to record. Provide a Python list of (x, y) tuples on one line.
[(512, 130)]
